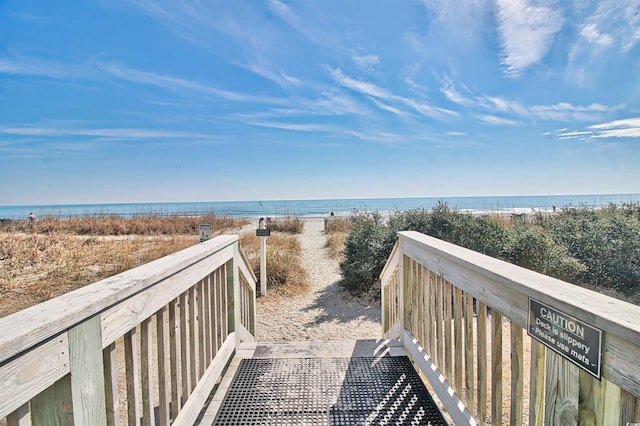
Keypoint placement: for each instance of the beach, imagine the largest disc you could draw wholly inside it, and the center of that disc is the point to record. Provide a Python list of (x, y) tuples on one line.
[(325, 312)]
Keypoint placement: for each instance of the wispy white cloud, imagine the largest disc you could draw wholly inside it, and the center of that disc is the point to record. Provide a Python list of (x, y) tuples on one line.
[(626, 128), (295, 126), (366, 62), (495, 120), (565, 111), (126, 133), (613, 24), (455, 133), (527, 30), (374, 91)]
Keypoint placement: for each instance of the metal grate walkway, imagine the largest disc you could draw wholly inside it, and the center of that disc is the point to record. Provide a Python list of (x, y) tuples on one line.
[(278, 388)]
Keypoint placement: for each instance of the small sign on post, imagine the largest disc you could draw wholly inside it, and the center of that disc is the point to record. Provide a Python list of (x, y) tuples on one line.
[(205, 232), (575, 340), (263, 232)]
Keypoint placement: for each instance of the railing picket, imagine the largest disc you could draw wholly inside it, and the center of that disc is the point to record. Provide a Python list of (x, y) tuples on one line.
[(517, 381), (111, 384), (468, 352), (537, 384), (206, 296), (439, 322), (213, 305), (184, 347), (201, 339), (131, 374), (459, 349), (174, 362), (561, 401), (448, 335), (163, 382), (146, 367), (193, 339), (481, 327), (496, 367), (432, 317)]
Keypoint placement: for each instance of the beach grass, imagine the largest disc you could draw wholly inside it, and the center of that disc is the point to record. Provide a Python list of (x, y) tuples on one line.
[(289, 224), (285, 274), (42, 260)]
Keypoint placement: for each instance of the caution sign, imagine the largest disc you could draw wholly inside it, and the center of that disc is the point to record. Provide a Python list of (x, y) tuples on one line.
[(575, 340)]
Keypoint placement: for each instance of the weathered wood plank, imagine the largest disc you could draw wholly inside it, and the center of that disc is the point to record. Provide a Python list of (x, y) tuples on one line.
[(469, 376), (537, 384), (432, 318), (586, 400), (131, 375), (174, 362), (26, 376), (111, 385), (185, 350), (517, 375), (627, 408), (163, 382), (201, 335), (87, 373), (448, 335), (146, 368), (496, 367), (193, 339), (562, 391), (439, 322), (482, 349), (54, 406), (459, 348)]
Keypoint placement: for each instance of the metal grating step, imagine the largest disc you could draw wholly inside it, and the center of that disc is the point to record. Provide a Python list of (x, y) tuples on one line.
[(328, 391)]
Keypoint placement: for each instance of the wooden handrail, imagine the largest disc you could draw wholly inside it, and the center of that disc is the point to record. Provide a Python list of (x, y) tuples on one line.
[(172, 323), (452, 300)]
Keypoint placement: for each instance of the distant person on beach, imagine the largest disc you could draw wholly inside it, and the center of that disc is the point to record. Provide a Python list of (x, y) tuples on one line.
[(32, 217)]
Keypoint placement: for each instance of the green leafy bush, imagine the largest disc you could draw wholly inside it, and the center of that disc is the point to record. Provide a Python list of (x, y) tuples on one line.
[(581, 245), (607, 242), (367, 247)]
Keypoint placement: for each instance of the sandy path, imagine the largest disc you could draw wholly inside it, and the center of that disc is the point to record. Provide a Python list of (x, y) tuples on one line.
[(325, 312)]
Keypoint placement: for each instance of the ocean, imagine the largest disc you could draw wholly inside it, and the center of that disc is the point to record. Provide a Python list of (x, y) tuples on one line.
[(275, 208)]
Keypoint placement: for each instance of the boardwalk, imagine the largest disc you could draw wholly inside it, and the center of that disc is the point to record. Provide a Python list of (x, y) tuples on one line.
[(322, 383)]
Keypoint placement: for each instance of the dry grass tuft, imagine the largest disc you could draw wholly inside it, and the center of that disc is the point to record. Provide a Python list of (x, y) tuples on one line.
[(337, 224), (335, 244), (285, 274), (288, 224), (54, 256), (152, 224)]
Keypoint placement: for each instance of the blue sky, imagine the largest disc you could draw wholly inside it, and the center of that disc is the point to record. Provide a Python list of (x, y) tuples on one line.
[(156, 101)]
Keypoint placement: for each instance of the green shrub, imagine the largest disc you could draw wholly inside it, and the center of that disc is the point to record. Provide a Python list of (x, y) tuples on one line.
[(606, 241), (529, 247), (367, 247)]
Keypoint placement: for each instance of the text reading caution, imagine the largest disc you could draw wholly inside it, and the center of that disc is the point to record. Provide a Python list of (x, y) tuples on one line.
[(575, 340)]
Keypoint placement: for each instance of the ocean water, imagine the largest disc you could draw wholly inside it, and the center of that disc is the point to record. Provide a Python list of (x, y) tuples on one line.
[(271, 208)]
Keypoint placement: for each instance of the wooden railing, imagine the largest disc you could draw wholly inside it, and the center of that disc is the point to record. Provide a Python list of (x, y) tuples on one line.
[(466, 320), (142, 347)]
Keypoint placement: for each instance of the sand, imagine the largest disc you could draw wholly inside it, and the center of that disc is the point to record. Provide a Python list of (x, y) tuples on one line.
[(326, 312)]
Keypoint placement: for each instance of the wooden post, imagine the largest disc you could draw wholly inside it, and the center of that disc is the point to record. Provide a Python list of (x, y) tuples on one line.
[(87, 373), (263, 266)]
